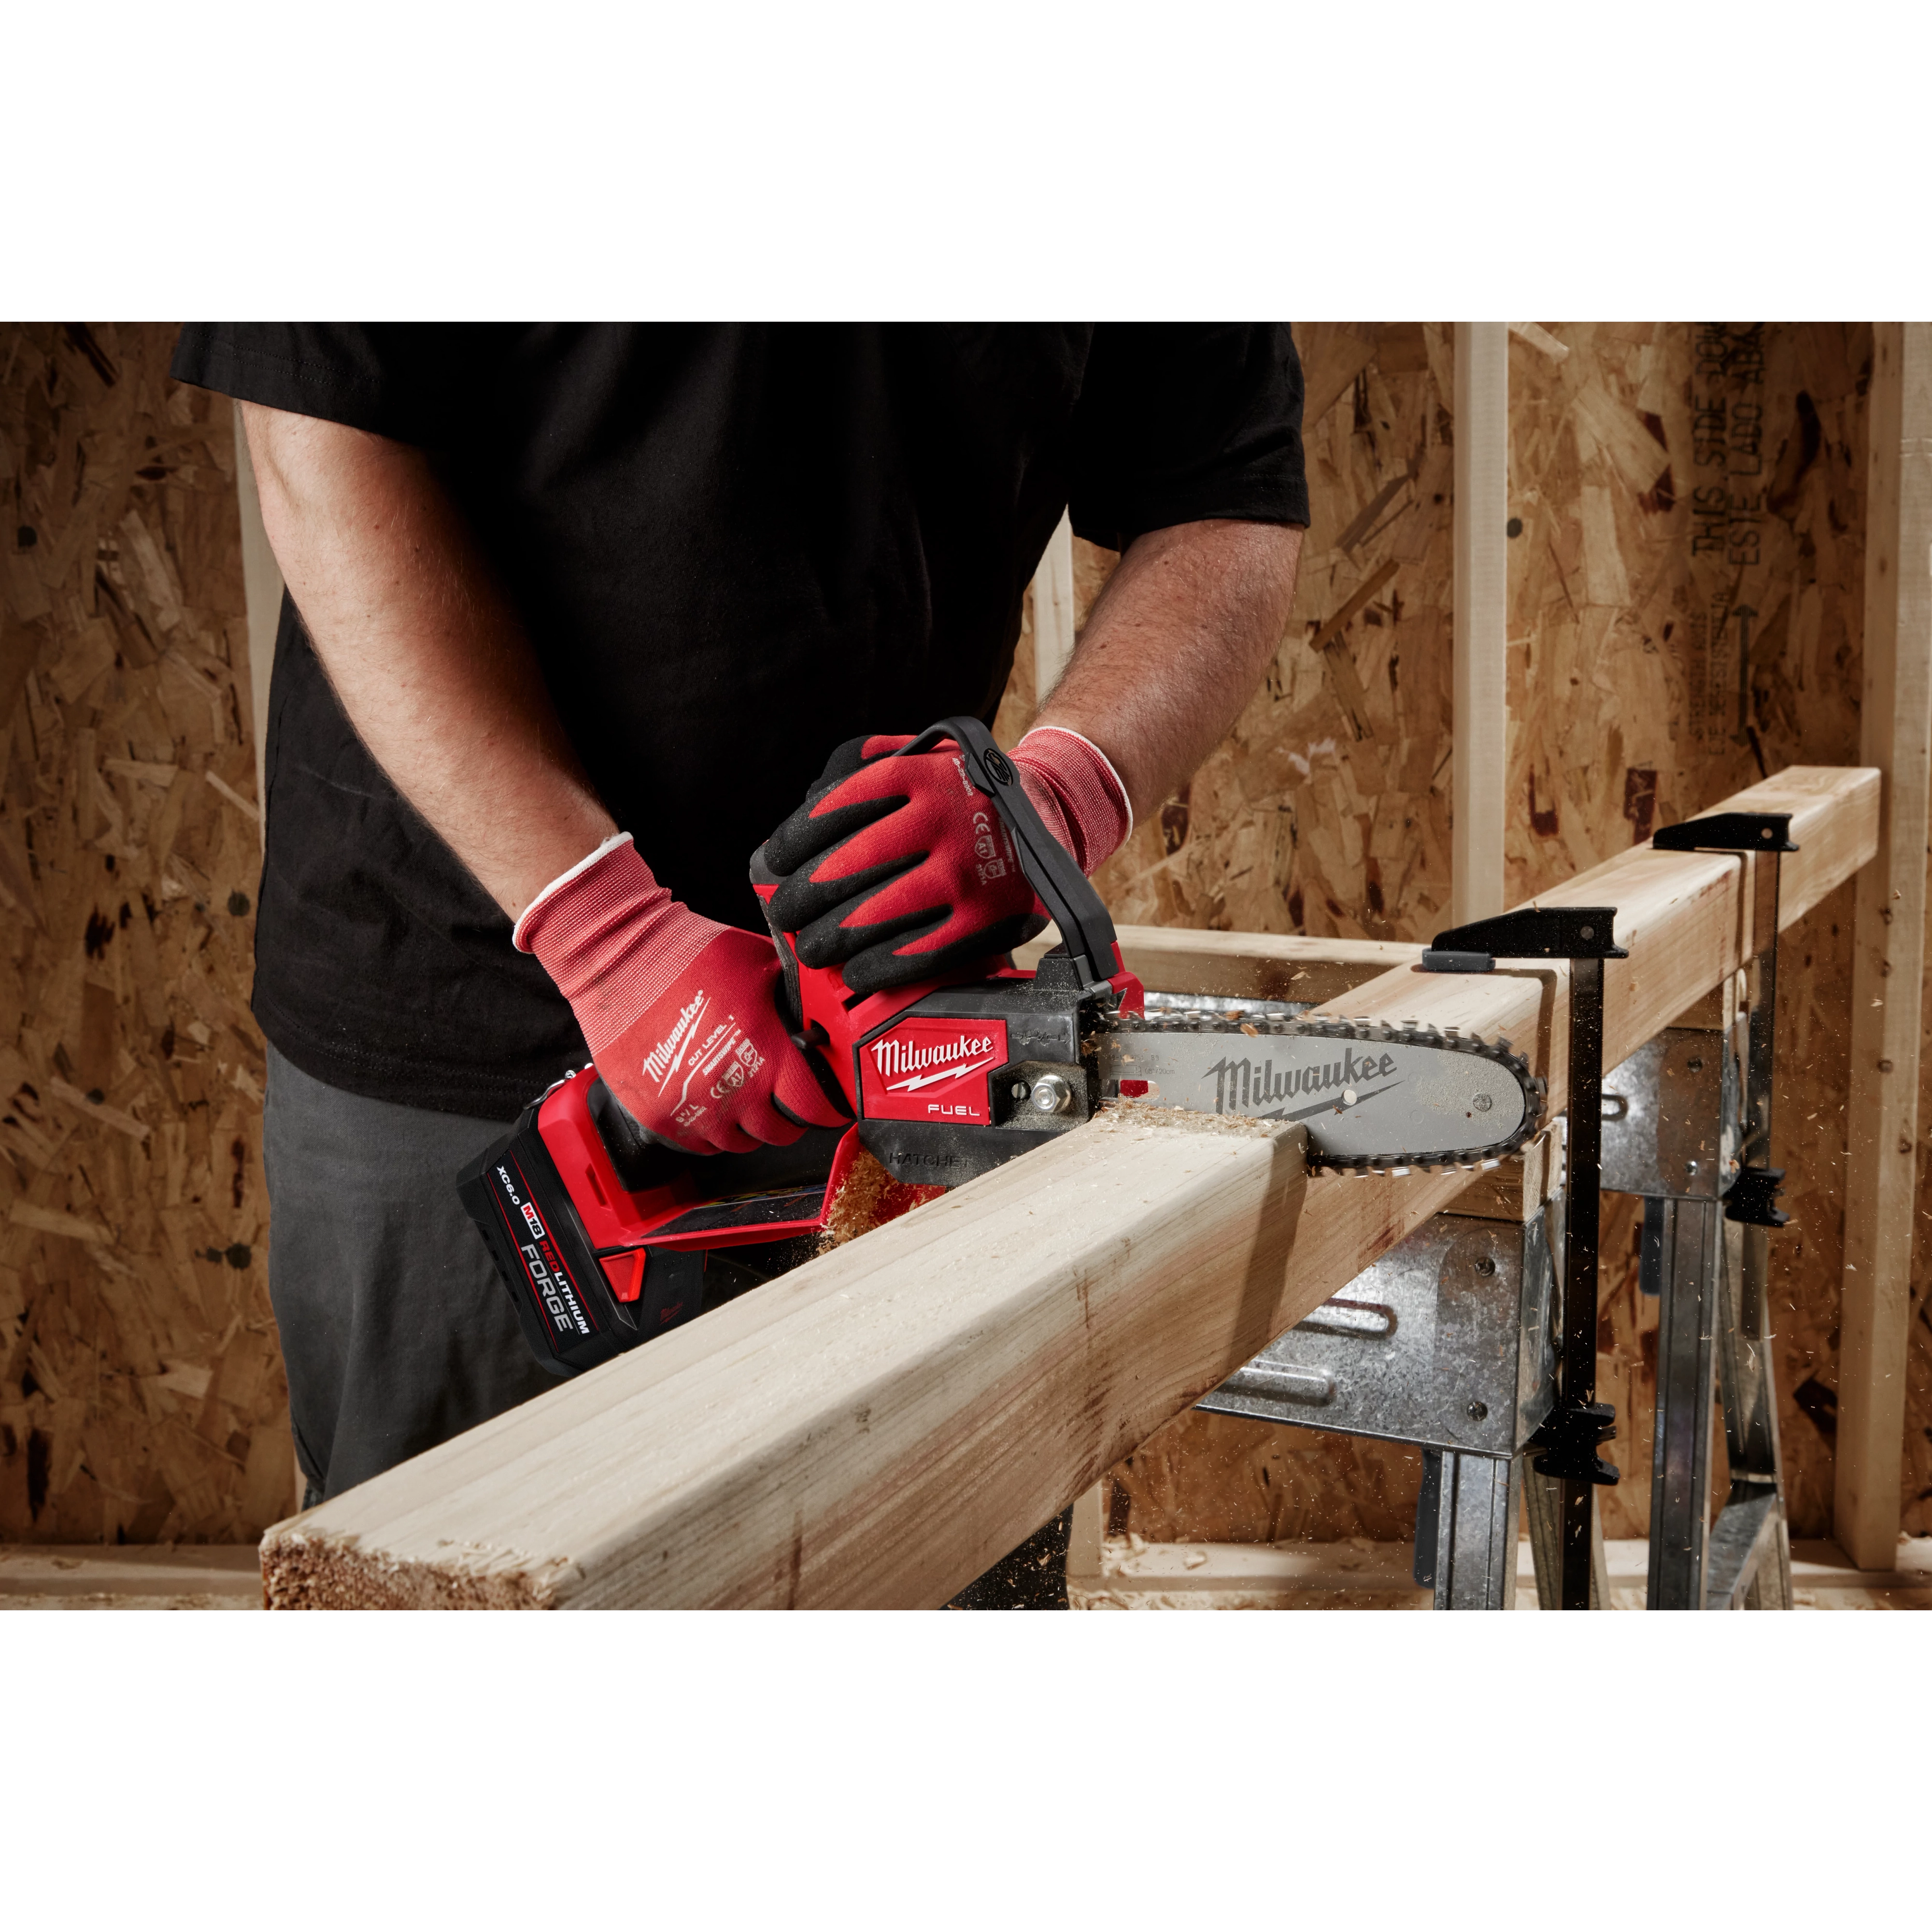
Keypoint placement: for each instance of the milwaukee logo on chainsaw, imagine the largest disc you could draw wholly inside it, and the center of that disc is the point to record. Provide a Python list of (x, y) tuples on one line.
[(931, 1070), (1246, 1086)]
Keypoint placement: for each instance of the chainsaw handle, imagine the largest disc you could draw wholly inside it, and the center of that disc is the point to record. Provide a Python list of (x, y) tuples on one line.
[(1070, 900)]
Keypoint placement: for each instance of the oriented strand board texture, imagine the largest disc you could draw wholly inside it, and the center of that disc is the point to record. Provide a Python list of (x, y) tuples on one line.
[(1685, 590), (141, 1391)]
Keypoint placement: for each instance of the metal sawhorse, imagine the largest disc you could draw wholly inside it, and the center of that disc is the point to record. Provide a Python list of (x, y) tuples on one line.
[(1451, 1342)]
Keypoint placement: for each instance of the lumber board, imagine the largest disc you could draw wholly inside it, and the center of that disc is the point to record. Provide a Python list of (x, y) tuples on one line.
[(1681, 916), (1888, 958), (1479, 720), (1244, 965), (880, 1426), (877, 1427), (261, 583), (1053, 611)]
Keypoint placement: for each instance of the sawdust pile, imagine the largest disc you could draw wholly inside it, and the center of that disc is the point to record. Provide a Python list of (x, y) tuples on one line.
[(868, 1198), (1118, 1114)]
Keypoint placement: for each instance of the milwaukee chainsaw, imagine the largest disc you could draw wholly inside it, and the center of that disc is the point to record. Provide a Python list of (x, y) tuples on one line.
[(604, 1234)]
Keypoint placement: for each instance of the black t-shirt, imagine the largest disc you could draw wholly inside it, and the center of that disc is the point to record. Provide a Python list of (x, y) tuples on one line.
[(733, 548)]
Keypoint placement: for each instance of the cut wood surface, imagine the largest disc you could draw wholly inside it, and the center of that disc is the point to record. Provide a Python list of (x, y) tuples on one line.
[(880, 1426)]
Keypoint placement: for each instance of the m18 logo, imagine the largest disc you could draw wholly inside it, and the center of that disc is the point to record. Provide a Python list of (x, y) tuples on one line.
[(544, 1267), (931, 1069)]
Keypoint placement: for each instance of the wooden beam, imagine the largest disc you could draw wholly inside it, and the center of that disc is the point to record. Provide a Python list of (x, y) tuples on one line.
[(1683, 917), (1888, 971), (1053, 611), (1244, 965), (1480, 549), (262, 586), (881, 1425), (878, 1426)]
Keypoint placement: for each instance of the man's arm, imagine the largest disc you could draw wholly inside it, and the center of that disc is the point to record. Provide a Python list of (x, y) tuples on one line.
[(424, 650), (1175, 647), (890, 869), (437, 676)]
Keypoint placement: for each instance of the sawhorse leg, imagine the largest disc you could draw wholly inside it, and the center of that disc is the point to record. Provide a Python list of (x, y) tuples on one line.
[(1690, 1262), (1713, 1332), (1466, 1528), (1750, 1562)]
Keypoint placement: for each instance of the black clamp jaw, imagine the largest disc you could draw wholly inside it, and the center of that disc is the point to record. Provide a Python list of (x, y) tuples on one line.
[(1585, 936), (1752, 1199), (1567, 1446), (1531, 932), (1727, 832)]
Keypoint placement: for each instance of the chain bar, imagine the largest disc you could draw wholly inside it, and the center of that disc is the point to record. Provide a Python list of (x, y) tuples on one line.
[(1383, 1033)]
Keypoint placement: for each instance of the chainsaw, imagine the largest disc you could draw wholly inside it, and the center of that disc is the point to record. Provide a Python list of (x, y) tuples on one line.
[(604, 1234)]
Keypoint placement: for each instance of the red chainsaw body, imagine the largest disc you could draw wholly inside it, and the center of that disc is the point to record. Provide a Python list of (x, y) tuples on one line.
[(600, 1233), (615, 1217)]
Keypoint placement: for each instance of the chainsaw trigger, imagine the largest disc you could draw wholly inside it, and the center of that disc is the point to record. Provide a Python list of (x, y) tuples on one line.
[(626, 1273)]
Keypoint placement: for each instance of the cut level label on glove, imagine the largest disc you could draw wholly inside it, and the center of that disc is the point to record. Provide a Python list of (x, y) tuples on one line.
[(931, 1070)]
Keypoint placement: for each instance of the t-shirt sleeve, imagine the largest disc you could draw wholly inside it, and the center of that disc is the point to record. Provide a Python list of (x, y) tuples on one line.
[(1178, 422), (415, 382)]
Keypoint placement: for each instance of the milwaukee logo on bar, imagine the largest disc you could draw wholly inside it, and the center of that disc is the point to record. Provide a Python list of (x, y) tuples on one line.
[(1244, 1084)]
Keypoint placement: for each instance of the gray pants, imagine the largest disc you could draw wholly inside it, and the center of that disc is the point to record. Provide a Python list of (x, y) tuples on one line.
[(395, 1327)]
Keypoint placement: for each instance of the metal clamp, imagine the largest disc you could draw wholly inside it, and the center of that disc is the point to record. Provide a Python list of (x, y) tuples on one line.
[(1744, 1557), (1584, 936), (1752, 1197)]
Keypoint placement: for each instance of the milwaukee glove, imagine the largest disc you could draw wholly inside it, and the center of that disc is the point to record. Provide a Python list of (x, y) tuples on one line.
[(898, 869), (680, 1012)]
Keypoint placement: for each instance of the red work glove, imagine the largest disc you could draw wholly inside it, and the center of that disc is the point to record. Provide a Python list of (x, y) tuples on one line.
[(899, 869), (681, 1012)]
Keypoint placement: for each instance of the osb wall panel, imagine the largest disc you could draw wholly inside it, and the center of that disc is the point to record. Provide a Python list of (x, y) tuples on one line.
[(1686, 568), (1686, 606), (141, 1392)]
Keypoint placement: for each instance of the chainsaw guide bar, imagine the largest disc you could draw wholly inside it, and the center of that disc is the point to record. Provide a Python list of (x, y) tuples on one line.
[(1399, 1105)]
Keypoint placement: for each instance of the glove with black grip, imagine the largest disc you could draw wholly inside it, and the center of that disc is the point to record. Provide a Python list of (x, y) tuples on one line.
[(898, 869)]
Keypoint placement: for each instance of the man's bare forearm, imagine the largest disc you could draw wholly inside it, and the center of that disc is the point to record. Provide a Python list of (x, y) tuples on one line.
[(1176, 645), (424, 651)]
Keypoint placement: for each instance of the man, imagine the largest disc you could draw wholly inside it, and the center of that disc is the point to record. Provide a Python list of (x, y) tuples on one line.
[(576, 615)]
